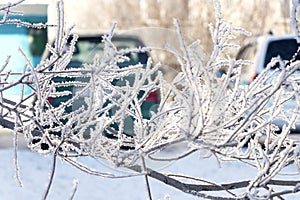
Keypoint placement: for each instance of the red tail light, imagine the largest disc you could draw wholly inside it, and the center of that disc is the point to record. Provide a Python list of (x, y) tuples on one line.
[(253, 77), (153, 96), (50, 99)]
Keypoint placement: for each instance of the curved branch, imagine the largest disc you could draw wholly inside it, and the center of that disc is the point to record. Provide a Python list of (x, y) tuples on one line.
[(196, 189)]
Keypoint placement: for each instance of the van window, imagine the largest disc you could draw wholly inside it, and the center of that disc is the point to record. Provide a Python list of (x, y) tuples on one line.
[(284, 48)]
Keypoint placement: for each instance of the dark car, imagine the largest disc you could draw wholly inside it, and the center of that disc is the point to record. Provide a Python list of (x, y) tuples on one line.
[(85, 50)]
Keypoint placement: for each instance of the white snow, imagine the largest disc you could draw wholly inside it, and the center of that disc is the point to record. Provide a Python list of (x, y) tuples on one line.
[(35, 170)]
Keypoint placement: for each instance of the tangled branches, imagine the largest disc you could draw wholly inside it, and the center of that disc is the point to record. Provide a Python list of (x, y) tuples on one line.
[(206, 111)]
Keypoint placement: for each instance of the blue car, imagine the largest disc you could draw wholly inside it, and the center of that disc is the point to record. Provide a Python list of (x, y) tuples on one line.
[(85, 50)]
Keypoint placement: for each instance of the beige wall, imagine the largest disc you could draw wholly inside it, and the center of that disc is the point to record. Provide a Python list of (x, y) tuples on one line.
[(152, 20), (259, 16)]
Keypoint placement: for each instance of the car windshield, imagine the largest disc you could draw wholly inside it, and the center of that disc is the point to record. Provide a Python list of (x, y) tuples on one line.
[(87, 48), (284, 48)]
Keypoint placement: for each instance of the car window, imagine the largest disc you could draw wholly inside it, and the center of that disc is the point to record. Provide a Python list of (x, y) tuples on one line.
[(86, 50), (284, 48)]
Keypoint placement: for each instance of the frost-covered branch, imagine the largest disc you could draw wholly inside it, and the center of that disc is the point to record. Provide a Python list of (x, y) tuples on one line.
[(7, 11), (206, 111), (294, 20)]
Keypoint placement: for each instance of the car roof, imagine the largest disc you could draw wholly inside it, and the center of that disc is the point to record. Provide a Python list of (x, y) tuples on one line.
[(116, 37), (276, 37), (98, 38), (268, 38)]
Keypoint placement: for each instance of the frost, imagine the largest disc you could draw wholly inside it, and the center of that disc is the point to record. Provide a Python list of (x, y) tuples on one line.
[(294, 20), (207, 113)]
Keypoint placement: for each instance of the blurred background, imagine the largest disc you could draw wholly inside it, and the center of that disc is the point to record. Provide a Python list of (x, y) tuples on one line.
[(152, 20), (256, 16), (96, 16)]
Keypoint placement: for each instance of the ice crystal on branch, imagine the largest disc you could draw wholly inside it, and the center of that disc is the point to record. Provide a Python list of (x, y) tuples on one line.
[(198, 110)]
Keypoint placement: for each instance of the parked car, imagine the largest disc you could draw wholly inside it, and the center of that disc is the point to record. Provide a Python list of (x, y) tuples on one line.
[(85, 50), (260, 51)]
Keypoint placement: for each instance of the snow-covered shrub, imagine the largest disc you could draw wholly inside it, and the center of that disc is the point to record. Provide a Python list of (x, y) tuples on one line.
[(207, 111)]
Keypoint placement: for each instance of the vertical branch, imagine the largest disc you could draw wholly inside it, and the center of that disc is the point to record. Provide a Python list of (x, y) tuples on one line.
[(75, 183), (60, 30), (17, 175), (2, 80), (147, 184), (51, 175), (294, 21)]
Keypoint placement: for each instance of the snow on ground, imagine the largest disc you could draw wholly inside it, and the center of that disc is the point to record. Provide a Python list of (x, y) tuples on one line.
[(35, 169)]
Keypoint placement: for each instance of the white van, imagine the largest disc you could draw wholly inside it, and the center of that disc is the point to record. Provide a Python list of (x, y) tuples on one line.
[(260, 51)]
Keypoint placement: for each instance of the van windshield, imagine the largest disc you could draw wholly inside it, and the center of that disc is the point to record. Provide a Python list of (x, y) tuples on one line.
[(284, 48), (86, 48)]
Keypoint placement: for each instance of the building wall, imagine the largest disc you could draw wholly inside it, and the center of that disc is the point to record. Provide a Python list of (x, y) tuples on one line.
[(98, 15)]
